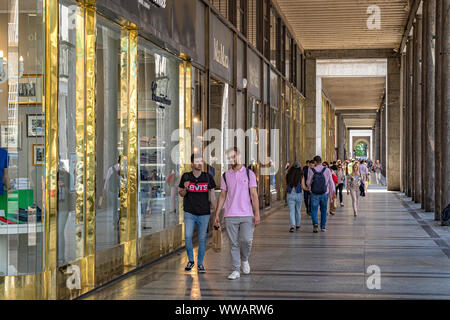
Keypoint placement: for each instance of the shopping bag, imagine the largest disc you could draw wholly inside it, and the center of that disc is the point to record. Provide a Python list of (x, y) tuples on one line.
[(217, 239)]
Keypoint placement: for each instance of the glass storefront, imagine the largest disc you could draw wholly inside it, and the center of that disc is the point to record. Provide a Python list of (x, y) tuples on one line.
[(158, 117), (22, 137)]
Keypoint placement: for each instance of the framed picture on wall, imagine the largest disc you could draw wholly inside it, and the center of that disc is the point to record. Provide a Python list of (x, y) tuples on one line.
[(29, 89), (35, 125), (10, 136), (38, 154)]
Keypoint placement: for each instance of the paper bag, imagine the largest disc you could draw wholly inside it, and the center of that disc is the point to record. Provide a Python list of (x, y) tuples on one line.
[(217, 239)]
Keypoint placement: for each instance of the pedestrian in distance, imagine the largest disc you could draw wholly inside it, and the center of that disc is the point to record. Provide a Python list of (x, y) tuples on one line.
[(321, 184), (197, 189), (341, 181), (295, 183), (353, 183), (238, 194)]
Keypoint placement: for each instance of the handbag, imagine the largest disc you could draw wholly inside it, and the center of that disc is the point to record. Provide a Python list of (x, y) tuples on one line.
[(217, 239)]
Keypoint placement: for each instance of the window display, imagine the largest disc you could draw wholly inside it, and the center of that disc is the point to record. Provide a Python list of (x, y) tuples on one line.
[(158, 118), (21, 150)]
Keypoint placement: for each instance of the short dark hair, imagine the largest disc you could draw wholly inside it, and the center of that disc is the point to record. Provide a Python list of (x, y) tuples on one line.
[(235, 149), (307, 161), (318, 159), (195, 156)]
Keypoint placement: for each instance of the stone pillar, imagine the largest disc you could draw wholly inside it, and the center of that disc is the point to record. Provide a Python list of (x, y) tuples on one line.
[(341, 137), (417, 108), (310, 114), (409, 107), (393, 110), (437, 115), (403, 145), (428, 108), (445, 102), (377, 139), (383, 139)]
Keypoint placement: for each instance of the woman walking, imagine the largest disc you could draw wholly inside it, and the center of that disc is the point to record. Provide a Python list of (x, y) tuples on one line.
[(353, 182), (341, 180), (295, 182)]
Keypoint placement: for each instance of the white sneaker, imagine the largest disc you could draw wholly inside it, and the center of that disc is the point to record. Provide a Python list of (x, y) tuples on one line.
[(235, 275), (245, 267)]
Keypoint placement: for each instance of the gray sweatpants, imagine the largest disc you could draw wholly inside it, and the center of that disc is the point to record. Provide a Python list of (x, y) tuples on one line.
[(240, 232)]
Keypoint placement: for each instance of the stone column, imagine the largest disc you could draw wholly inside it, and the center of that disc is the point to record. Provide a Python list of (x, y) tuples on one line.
[(393, 110), (383, 138), (445, 102), (428, 108), (409, 107), (310, 114), (377, 137), (417, 108), (437, 115), (403, 181), (341, 137)]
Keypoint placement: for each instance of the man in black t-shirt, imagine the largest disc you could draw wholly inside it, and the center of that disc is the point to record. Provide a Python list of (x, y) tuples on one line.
[(197, 188)]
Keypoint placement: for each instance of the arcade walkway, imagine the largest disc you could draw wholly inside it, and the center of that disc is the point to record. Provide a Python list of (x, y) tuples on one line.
[(391, 232)]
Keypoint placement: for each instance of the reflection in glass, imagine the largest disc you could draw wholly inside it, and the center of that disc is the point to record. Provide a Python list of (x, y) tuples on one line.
[(158, 118), (70, 167), (111, 135), (22, 136)]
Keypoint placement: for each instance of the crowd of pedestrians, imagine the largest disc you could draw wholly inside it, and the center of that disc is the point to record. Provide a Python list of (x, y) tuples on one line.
[(317, 184)]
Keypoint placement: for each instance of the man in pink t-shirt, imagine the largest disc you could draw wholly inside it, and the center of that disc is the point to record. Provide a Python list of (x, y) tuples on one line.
[(239, 194)]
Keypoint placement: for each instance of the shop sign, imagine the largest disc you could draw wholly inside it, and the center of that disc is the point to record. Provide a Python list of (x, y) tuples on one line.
[(219, 54), (254, 73), (158, 98), (147, 3)]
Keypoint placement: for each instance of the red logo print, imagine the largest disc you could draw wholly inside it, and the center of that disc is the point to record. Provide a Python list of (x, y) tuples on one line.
[(199, 187)]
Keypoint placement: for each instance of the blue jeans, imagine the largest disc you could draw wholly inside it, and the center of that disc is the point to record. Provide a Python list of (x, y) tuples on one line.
[(294, 201), (322, 200), (190, 220)]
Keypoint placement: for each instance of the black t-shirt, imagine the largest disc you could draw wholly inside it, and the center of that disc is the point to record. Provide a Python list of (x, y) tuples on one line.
[(196, 200)]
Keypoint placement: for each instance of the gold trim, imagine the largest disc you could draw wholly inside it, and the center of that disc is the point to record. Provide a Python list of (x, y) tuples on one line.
[(90, 63), (51, 9), (124, 97), (79, 132), (130, 249)]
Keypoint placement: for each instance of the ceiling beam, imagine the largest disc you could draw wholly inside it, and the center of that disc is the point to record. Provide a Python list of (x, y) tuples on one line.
[(356, 111), (351, 54), (412, 14)]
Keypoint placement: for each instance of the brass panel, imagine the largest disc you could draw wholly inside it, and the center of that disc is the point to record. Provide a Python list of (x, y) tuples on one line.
[(181, 119), (156, 245), (79, 127), (25, 287), (130, 248), (90, 56), (124, 97), (64, 274), (109, 264)]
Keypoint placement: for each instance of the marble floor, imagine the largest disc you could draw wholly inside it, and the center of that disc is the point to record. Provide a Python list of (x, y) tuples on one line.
[(411, 250)]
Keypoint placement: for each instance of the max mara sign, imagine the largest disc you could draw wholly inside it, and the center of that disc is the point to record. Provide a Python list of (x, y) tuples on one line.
[(221, 49), (219, 54)]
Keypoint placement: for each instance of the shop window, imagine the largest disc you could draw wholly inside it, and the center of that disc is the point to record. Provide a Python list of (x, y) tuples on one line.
[(22, 137), (222, 6), (287, 59), (218, 119), (273, 146), (252, 22), (158, 118), (252, 139), (273, 38), (266, 26), (198, 103), (71, 137), (111, 136), (241, 15)]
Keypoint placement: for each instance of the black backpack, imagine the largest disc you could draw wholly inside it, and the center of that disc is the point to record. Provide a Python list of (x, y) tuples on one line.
[(319, 185), (445, 215)]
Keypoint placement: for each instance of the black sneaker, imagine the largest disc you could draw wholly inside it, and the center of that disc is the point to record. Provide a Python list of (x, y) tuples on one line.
[(297, 227), (189, 266), (291, 229), (316, 228), (201, 269)]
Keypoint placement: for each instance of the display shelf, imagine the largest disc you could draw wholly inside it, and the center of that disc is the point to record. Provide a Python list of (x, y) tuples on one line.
[(20, 228), (153, 164), (153, 182)]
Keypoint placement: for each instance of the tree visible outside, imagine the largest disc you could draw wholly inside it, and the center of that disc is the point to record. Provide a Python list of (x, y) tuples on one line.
[(361, 149)]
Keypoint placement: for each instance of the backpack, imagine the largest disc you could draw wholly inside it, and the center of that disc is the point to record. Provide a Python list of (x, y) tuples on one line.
[(248, 176), (318, 185), (445, 215)]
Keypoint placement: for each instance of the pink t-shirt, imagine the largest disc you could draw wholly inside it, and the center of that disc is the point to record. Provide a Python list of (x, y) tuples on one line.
[(238, 202)]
